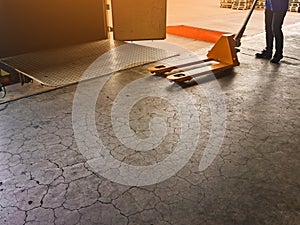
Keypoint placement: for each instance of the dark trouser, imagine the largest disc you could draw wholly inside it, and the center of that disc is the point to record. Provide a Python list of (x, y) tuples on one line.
[(273, 22)]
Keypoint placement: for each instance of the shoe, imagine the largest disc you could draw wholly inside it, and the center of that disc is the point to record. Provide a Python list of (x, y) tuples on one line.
[(264, 54), (276, 58)]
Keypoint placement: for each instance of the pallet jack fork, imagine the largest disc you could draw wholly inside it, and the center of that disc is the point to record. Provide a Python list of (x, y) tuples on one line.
[(221, 57)]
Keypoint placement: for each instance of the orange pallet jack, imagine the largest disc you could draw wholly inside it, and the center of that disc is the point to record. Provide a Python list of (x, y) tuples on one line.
[(222, 56)]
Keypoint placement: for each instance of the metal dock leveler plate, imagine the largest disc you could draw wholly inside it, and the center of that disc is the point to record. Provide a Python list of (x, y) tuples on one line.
[(63, 66)]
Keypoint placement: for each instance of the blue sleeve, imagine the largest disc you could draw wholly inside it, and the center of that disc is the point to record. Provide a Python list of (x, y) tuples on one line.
[(268, 5), (277, 5)]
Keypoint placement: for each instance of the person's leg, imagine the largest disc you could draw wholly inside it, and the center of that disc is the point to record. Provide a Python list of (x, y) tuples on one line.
[(269, 31), (278, 18), (267, 52)]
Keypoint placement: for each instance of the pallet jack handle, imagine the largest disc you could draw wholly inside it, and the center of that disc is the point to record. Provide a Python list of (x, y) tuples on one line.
[(237, 38)]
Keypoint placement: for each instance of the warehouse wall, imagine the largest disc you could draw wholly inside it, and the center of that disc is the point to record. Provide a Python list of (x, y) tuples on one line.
[(31, 25)]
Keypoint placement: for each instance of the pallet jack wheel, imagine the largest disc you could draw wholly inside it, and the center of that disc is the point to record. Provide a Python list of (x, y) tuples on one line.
[(160, 66), (179, 75), (180, 78), (2, 91)]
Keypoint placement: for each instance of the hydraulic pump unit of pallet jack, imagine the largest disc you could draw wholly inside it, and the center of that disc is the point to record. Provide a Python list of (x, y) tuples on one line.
[(222, 56)]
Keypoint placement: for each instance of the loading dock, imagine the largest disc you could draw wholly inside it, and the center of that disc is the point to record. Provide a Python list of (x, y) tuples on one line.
[(52, 42)]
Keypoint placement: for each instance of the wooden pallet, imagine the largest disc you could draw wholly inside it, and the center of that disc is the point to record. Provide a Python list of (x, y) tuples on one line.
[(260, 4), (241, 4), (294, 6), (226, 3)]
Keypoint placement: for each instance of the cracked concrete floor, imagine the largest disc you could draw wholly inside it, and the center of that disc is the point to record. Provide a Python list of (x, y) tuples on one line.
[(254, 178)]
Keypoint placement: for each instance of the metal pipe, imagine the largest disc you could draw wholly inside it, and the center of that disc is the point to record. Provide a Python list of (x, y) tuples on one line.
[(237, 38)]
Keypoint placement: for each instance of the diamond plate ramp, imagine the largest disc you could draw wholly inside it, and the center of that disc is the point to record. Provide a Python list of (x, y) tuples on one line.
[(64, 66)]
